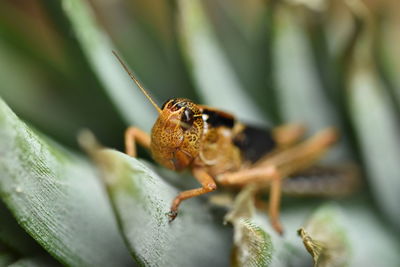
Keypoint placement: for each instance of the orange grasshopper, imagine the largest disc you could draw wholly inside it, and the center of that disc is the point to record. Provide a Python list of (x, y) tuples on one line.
[(220, 150)]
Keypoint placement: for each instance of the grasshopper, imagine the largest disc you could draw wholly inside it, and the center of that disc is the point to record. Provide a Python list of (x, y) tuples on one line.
[(219, 150)]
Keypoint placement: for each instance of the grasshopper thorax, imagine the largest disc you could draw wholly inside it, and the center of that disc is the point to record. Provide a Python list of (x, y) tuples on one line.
[(175, 137)]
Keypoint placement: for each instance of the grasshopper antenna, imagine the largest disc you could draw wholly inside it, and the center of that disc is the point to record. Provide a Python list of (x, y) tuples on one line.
[(137, 82)]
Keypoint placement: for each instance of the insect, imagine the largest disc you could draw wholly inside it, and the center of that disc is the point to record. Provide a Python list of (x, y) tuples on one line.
[(219, 150)]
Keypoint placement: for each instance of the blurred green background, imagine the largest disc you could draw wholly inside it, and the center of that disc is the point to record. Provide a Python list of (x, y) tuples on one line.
[(318, 62)]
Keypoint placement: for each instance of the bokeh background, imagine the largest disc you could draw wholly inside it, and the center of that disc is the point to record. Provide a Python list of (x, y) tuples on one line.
[(317, 62)]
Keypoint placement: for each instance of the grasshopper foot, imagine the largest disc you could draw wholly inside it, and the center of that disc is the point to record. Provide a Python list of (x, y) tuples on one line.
[(172, 215)]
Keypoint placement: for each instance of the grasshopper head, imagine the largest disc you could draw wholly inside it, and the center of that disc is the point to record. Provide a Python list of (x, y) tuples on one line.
[(175, 137)]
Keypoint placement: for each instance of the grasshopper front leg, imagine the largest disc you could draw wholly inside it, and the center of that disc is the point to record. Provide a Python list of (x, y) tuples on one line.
[(133, 135), (207, 185)]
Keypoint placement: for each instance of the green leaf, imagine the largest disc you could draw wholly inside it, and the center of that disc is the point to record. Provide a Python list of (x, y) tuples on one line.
[(257, 242), (389, 37), (245, 32), (371, 241), (352, 232), (215, 80), (39, 261), (363, 233), (299, 88), (21, 81), (98, 48), (340, 28), (14, 236), (325, 239), (146, 35), (378, 129), (252, 245), (142, 199), (56, 197)]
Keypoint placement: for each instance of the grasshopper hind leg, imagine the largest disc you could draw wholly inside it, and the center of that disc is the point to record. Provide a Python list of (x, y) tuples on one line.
[(271, 170), (323, 181), (288, 134), (263, 176)]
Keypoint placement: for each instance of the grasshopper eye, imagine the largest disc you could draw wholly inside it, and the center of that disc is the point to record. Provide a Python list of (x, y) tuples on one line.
[(187, 118)]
